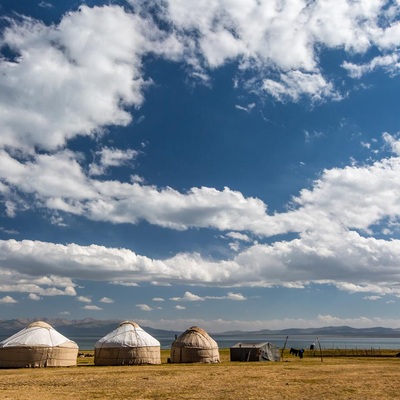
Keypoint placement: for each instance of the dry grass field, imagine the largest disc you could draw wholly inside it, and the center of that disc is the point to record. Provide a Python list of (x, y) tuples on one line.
[(339, 377)]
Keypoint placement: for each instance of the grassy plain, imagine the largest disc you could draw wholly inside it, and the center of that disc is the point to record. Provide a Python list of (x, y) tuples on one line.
[(337, 377)]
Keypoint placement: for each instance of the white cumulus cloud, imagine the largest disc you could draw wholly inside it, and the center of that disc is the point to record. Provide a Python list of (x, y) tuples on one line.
[(110, 157), (106, 300), (8, 300), (34, 296), (144, 307), (84, 299), (87, 70), (188, 297), (91, 308)]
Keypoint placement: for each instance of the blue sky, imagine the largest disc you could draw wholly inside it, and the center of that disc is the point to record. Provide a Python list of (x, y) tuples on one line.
[(230, 164)]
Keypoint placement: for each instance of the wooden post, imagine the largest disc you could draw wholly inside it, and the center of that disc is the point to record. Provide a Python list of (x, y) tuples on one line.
[(283, 348), (320, 350), (248, 355)]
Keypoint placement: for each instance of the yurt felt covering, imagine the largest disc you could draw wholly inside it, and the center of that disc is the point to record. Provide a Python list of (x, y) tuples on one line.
[(194, 345), (38, 345), (128, 344)]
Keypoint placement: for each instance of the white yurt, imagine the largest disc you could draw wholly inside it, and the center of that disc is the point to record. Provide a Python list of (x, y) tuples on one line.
[(194, 345), (128, 344), (38, 345)]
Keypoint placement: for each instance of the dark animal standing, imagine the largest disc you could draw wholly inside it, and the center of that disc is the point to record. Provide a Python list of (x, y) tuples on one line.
[(296, 352)]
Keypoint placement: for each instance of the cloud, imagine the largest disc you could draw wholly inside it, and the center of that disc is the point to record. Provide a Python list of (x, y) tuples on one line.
[(193, 297), (106, 300), (91, 308), (373, 298), (33, 296), (247, 108), (157, 283), (389, 63), (308, 136), (9, 231), (342, 258), (235, 296), (45, 4), (90, 73), (144, 307), (265, 33), (229, 296), (285, 38), (293, 85), (393, 142), (235, 246), (84, 299), (188, 297), (178, 307), (90, 81), (51, 58), (52, 177), (110, 157), (158, 299), (8, 300), (365, 288), (59, 183), (123, 283), (33, 283), (64, 313), (238, 236), (136, 179), (87, 69)]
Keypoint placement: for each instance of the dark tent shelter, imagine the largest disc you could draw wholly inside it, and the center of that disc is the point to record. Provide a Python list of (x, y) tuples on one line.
[(254, 352)]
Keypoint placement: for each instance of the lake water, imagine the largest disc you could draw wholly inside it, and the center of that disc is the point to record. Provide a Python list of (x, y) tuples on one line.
[(297, 341)]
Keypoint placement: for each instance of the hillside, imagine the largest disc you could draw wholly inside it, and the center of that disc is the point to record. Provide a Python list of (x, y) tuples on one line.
[(90, 326)]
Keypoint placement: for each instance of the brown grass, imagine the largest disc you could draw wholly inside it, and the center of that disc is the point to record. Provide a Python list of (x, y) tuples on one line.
[(356, 378)]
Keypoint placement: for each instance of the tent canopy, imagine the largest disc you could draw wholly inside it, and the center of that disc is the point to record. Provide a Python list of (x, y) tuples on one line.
[(37, 345), (36, 334), (197, 338), (194, 345), (128, 334), (128, 344), (264, 351)]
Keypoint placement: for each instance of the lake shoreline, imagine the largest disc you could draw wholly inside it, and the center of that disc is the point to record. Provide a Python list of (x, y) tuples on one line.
[(296, 341)]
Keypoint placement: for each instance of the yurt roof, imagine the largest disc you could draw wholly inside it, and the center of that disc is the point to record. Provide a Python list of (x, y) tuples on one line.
[(196, 337), (127, 334), (40, 324), (38, 334)]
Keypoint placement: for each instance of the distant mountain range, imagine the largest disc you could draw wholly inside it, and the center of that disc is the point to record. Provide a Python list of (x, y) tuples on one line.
[(93, 327), (325, 331), (83, 327)]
